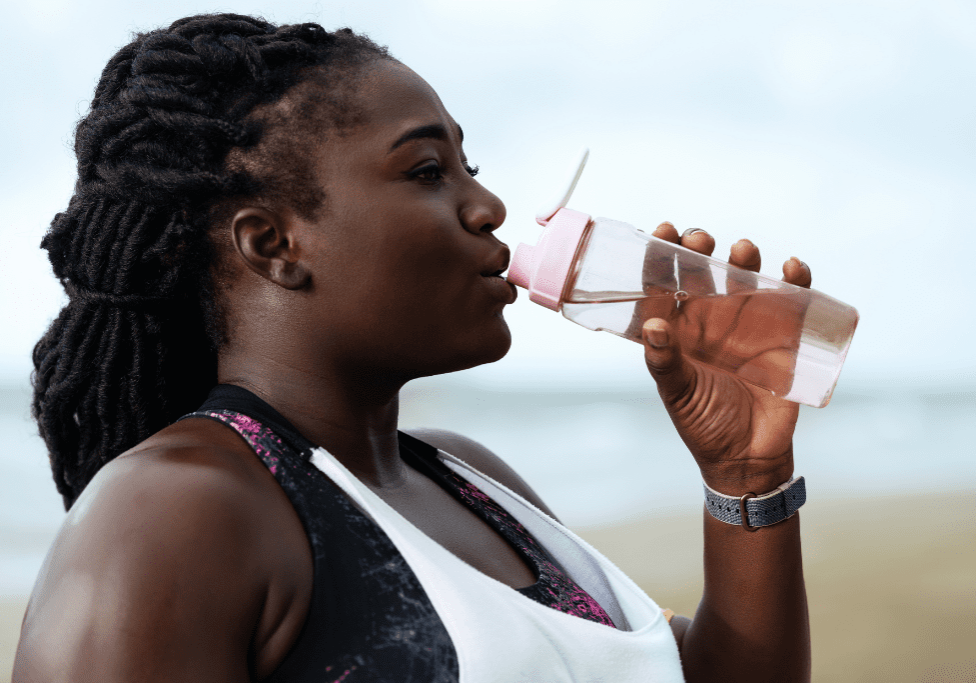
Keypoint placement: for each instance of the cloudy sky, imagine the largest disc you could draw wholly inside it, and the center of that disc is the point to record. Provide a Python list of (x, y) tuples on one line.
[(842, 132)]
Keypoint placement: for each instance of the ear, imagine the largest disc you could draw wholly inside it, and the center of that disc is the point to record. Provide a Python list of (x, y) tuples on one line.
[(268, 244)]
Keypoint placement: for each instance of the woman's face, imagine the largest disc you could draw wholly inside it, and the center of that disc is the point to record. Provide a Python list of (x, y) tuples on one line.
[(403, 254)]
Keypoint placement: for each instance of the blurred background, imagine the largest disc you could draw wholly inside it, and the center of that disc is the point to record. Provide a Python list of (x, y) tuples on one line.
[(842, 132)]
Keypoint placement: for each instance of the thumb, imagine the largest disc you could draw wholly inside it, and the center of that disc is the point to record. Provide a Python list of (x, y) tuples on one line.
[(673, 373)]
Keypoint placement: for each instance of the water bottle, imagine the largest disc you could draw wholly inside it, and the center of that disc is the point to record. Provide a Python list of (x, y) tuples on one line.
[(607, 275)]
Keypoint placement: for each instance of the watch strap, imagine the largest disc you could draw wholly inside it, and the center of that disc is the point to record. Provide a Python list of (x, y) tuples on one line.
[(769, 508)]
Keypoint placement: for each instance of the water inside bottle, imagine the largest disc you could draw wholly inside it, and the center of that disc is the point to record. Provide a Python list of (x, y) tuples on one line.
[(781, 340)]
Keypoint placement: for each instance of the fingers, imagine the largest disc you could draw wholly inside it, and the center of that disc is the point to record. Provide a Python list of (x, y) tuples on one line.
[(695, 239), (796, 272), (694, 272), (745, 255), (698, 240), (666, 231), (658, 279), (695, 276), (658, 276), (674, 375)]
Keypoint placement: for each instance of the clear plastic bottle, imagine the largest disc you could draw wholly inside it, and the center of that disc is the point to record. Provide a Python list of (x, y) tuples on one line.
[(607, 275)]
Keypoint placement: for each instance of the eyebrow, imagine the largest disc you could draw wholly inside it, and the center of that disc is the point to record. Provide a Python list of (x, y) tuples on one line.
[(434, 131)]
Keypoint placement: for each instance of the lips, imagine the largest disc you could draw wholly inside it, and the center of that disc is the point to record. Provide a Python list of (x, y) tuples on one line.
[(498, 264), (500, 287)]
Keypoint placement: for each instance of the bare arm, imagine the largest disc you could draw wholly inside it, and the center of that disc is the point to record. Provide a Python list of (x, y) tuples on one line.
[(752, 623), (151, 578)]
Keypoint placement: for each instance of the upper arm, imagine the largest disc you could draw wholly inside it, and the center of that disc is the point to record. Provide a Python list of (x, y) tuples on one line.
[(679, 625), (150, 578), (482, 459)]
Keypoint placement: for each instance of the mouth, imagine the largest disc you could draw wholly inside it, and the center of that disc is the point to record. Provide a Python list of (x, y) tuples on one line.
[(501, 288), (498, 265)]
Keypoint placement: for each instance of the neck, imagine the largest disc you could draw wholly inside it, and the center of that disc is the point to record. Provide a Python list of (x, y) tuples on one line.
[(351, 415)]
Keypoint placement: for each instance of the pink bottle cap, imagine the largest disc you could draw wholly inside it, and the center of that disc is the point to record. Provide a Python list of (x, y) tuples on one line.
[(544, 268)]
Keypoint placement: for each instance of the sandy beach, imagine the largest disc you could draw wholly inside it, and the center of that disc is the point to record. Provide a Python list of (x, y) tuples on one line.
[(892, 591)]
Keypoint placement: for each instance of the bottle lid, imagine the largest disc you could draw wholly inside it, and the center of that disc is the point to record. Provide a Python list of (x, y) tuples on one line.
[(562, 199), (544, 268)]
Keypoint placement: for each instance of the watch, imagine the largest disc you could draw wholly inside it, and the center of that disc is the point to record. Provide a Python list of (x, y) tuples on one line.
[(752, 511)]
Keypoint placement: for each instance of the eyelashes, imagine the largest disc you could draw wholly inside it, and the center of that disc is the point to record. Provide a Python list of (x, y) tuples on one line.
[(432, 173)]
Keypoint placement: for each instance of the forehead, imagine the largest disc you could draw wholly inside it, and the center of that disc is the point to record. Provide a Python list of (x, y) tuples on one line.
[(392, 98)]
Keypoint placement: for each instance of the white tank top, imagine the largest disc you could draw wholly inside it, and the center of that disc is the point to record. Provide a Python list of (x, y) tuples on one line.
[(502, 636)]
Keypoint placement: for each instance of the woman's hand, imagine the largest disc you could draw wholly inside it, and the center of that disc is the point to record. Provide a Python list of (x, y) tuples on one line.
[(740, 435)]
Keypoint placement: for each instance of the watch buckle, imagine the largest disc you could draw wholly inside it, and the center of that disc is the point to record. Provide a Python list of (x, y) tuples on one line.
[(744, 514)]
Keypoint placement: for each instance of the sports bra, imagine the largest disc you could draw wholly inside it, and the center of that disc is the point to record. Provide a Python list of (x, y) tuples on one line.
[(378, 610)]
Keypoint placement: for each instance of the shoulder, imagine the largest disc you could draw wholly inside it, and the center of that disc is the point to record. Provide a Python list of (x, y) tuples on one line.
[(166, 561), (482, 459)]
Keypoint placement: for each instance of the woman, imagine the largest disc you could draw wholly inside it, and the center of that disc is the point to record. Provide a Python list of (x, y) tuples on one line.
[(273, 230)]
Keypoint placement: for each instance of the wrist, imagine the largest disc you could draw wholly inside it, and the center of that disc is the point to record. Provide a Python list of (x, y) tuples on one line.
[(739, 482), (754, 511)]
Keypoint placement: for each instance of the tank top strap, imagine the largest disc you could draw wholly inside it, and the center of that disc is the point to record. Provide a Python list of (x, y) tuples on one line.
[(263, 440), (361, 625), (553, 587)]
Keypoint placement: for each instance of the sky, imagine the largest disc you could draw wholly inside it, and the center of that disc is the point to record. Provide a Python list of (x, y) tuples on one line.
[(841, 132)]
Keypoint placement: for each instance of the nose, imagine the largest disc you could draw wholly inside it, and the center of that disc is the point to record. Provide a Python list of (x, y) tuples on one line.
[(482, 211)]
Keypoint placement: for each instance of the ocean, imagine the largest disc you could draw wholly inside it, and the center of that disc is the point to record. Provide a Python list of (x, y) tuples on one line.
[(596, 453)]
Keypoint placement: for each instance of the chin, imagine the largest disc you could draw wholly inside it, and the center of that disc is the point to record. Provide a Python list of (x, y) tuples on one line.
[(490, 347), (498, 355), (502, 344)]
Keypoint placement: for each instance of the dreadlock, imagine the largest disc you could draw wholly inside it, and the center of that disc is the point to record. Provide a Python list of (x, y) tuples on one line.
[(136, 346)]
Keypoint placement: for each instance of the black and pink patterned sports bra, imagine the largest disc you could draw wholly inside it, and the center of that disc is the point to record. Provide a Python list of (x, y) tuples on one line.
[(369, 618)]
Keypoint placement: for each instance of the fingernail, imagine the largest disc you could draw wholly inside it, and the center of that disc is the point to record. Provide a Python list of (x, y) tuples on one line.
[(656, 337), (802, 263), (691, 231)]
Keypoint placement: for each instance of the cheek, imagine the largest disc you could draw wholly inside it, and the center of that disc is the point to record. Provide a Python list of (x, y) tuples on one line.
[(431, 262), (405, 285), (410, 253)]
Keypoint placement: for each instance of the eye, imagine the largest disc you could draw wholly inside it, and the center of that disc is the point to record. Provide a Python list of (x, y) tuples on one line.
[(430, 173)]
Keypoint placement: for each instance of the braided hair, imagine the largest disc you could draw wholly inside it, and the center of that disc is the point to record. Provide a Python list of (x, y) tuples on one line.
[(136, 346)]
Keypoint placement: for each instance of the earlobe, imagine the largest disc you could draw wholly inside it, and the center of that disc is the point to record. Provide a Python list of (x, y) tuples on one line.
[(290, 275), (267, 243)]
